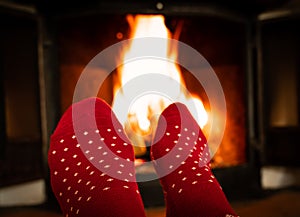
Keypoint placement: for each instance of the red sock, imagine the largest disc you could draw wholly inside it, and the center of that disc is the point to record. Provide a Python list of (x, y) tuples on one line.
[(181, 158), (91, 164)]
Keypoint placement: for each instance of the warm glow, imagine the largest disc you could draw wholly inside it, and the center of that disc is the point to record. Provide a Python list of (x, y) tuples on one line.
[(143, 112)]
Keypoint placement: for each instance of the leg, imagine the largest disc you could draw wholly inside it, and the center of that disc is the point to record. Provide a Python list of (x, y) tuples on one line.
[(190, 187), (92, 167)]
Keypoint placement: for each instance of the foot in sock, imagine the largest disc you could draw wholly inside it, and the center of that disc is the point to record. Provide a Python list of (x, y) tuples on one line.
[(181, 158), (91, 164)]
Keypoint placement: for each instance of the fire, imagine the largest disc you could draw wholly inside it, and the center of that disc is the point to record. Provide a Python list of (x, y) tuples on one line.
[(141, 120)]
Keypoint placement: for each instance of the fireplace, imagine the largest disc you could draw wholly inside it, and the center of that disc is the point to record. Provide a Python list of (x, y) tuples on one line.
[(253, 50), (66, 37), (221, 40)]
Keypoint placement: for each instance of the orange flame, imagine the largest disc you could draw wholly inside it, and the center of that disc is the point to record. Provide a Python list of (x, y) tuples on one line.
[(140, 117)]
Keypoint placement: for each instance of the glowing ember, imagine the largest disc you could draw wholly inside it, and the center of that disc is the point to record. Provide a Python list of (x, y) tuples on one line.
[(142, 117)]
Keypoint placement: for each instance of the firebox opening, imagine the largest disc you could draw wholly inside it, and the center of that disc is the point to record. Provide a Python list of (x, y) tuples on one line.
[(220, 42)]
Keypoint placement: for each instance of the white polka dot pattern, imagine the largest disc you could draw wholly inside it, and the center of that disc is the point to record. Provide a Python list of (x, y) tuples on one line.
[(81, 166), (190, 187)]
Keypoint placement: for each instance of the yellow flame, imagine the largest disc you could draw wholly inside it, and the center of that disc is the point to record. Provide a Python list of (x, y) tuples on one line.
[(143, 108)]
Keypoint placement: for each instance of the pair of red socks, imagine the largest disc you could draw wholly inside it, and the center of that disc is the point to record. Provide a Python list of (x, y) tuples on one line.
[(92, 169)]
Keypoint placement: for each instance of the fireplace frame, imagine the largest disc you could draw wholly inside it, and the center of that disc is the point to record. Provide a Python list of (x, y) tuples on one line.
[(233, 179), (238, 182)]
